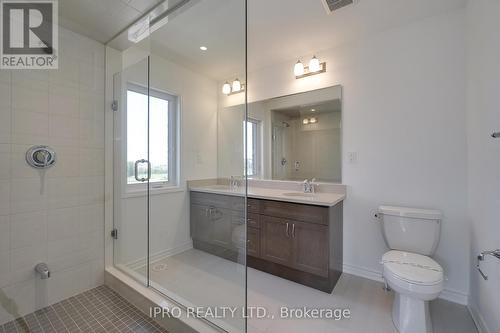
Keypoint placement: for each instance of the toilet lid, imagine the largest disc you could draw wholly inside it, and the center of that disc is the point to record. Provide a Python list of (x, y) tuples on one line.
[(412, 267)]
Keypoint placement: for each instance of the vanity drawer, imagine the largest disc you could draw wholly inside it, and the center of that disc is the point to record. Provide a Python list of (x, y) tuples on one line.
[(210, 199), (253, 205), (253, 220), (298, 212)]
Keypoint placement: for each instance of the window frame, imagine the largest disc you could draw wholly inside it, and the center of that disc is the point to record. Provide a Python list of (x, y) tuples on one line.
[(173, 142), (256, 144)]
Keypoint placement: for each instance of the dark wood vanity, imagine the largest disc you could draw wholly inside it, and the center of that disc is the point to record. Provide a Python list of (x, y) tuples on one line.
[(298, 242)]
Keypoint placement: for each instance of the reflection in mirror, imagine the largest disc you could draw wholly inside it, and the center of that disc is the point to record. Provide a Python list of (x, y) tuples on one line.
[(306, 142), (293, 137)]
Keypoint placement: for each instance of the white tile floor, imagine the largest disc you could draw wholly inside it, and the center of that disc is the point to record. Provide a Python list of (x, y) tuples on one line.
[(205, 280)]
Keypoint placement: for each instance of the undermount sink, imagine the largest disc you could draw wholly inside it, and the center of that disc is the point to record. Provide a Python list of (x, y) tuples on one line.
[(299, 194)]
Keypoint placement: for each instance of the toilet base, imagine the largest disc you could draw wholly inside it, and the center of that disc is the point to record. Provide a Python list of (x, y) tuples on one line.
[(411, 315)]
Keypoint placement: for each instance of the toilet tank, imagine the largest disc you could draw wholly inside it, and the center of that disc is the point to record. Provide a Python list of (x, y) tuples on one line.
[(410, 229)]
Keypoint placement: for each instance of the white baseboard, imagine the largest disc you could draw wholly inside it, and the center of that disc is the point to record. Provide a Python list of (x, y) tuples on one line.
[(363, 272), (478, 318), (455, 296), (447, 294), (160, 255)]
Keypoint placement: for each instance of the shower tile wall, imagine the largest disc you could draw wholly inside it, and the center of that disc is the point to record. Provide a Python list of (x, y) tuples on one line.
[(64, 225)]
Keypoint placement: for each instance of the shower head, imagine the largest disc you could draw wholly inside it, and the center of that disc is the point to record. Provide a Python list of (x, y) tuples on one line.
[(285, 124)]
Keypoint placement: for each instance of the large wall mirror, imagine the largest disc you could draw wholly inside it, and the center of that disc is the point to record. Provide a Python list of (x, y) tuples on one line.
[(292, 137)]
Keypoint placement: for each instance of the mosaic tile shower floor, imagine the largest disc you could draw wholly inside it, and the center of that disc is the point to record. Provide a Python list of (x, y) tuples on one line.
[(99, 310)]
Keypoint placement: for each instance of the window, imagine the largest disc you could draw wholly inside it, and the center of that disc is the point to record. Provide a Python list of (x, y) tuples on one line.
[(163, 109), (251, 128)]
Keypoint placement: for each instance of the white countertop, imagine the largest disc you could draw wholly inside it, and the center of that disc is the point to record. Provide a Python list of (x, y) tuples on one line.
[(319, 198)]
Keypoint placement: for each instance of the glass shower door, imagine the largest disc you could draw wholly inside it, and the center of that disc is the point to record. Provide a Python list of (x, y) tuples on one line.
[(167, 126), (132, 170), (197, 240)]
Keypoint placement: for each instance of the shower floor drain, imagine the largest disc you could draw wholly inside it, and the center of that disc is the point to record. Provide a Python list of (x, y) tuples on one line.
[(159, 267)]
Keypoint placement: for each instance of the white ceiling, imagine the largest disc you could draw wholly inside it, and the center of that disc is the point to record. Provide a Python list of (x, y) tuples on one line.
[(101, 19), (278, 30), (306, 110)]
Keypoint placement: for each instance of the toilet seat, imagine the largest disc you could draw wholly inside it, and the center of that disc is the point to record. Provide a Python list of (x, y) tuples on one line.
[(412, 268)]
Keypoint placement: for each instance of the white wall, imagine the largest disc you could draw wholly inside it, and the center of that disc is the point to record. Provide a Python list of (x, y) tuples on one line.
[(63, 226), (169, 215), (404, 114), (483, 116)]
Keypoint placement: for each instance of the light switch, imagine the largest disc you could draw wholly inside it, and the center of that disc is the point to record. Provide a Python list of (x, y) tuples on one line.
[(352, 157)]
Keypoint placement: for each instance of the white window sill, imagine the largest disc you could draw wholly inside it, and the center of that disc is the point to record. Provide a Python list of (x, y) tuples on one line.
[(153, 191)]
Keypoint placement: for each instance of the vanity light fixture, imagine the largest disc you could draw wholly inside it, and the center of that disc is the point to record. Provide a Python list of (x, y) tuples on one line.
[(315, 67), (226, 88), (298, 70), (308, 121), (234, 88)]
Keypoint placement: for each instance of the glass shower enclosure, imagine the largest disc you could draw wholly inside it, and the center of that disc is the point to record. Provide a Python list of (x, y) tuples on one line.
[(167, 72)]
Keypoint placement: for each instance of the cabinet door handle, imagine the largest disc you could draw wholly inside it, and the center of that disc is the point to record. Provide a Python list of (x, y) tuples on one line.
[(293, 230), (287, 233)]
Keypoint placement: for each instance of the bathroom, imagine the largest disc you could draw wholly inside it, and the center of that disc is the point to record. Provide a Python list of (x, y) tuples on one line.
[(202, 156)]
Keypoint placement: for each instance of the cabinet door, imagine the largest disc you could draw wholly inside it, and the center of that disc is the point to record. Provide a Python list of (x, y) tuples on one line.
[(310, 247), (253, 242), (201, 224), (276, 245), (221, 223)]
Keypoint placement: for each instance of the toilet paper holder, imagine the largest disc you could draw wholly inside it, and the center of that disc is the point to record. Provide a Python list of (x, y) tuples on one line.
[(481, 257)]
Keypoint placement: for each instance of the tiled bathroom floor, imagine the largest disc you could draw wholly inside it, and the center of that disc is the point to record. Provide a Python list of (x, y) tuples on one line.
[(207, 280), (98, 310)]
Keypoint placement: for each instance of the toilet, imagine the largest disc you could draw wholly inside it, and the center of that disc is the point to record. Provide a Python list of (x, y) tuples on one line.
[(412, 236)]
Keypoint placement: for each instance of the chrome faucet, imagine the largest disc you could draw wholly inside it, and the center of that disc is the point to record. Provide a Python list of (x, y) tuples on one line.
[(43, 269), (309, 185)]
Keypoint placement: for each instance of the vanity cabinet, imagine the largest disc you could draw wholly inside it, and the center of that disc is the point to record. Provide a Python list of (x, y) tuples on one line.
[(310, 248), (253, 240), (214, 220), (299, 242), (299, 245), (276, 245)]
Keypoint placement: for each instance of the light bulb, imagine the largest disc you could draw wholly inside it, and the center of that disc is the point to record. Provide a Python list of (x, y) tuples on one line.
[(298, 70), (313, 120), (236, 85), (305, 121), (314, 65), (226, 88), (203, 48)]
